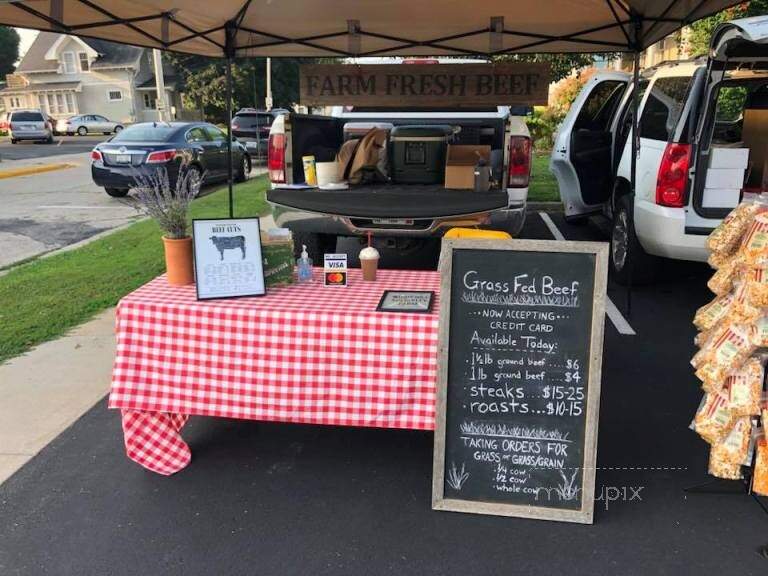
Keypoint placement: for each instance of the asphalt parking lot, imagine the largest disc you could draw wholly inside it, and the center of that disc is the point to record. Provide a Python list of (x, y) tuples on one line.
[(291, 499), (61, 145)]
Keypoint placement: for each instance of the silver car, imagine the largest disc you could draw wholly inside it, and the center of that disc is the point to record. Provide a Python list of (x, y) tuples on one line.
[(87, 124), (30, 125)]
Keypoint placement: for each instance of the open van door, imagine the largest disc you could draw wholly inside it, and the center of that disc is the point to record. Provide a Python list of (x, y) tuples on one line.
[(735, 115), (583, 146)]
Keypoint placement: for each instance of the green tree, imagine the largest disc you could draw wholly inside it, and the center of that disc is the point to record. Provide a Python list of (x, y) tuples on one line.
[(701, 30), (9, 50), (561, 65)]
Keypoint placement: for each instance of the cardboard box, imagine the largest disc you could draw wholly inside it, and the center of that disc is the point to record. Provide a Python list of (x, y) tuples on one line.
[(725, 178), (721, 198), (721, 157), (460, 163), (755, 135)]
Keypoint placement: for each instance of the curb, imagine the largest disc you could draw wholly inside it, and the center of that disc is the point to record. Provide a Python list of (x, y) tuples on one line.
[(37, 169)]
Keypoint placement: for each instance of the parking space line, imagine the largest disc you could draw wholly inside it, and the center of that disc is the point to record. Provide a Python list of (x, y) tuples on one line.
[(616, 317)]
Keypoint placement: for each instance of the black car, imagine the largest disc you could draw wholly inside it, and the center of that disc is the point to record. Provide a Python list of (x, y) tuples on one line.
[(200, 147), (251, 126)]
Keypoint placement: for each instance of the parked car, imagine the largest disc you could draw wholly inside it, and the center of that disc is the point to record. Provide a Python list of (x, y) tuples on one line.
[(403, 214), (251, 127), (4, 125), (30, 125), (687, 109), (87, 124), (198, 147)]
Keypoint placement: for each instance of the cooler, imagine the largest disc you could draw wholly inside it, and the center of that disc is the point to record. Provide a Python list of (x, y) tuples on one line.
[(417, 154)]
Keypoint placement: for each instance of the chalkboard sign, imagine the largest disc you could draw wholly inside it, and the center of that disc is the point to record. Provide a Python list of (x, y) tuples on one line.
[(521, 339)]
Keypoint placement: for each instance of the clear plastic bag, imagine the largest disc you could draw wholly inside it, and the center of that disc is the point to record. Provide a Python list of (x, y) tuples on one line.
[(760, 472), (734, 447), (717, 259), (741, 310), (710, 314), (726, 351), (721, 281), (726, 237), (754, 246), (713, 420), (744, 388), (756, 280)]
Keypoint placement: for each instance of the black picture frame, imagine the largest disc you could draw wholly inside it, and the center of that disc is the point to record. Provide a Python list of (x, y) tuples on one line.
[(258, 261), (383, 308)]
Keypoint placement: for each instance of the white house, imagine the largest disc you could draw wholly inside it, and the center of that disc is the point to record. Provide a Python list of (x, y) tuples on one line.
[(65, 75)]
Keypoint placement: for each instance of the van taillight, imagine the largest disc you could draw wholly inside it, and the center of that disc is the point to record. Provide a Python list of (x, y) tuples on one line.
[(519, 162), (276, 158), (673, 175)]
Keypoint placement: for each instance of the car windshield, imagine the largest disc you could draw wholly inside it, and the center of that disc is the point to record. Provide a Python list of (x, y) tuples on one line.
[(145, 133), (254, 120), (27, 117)]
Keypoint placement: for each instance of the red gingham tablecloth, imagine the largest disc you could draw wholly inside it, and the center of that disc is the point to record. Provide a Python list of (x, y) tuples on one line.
[(302, 353)]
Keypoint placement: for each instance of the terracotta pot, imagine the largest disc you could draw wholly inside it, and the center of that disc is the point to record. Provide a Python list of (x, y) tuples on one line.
[(178, 261)]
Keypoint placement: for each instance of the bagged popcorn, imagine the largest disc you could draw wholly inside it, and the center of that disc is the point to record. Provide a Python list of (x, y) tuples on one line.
[(717, 259), (756, 280), (754, 246), (719, 468), (725, 238), (744, 388), (721, 281), (759, 332), (726, 351), (734, 447), (741, 311), (710, 314), (713, 419), (760, 473)]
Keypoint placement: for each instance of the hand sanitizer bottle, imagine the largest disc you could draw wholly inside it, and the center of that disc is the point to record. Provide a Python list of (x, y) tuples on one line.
[(304, 266)]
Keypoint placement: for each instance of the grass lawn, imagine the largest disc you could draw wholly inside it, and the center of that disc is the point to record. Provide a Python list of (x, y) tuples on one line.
[(49, 296), (543, 187)]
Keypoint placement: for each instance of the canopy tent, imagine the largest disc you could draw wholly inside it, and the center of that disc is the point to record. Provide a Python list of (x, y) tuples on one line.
[(330, 28), (343, 28)]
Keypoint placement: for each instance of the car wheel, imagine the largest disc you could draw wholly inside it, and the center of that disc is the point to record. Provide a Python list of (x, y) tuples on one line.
[(14, 141), (49, 140), (244, 170), (82, 131), (317, 245), (629, 261), (193, 180), (117, 192), (118, 128)]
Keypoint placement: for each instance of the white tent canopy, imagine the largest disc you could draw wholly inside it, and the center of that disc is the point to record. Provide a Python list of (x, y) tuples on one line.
[(331, 28)]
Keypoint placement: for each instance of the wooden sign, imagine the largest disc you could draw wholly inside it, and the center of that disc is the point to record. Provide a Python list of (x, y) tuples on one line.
[(519, 360), (424, 85)]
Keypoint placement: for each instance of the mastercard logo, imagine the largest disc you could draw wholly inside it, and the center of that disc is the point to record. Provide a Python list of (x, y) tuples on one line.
[(335, 278)]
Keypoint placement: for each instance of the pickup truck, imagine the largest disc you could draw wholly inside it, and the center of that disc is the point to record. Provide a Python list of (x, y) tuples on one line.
[(401, 213)]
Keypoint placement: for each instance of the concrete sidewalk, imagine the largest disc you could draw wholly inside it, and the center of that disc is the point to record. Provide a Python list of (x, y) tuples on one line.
[(45, 390)]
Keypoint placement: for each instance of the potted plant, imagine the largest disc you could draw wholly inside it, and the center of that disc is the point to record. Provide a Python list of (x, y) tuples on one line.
[(169, 206)]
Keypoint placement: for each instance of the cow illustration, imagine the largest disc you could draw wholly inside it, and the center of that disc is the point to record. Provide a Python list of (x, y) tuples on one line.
[(229, 243)]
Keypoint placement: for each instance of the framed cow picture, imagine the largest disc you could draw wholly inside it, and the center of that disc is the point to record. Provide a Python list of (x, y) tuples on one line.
[(228, 260)]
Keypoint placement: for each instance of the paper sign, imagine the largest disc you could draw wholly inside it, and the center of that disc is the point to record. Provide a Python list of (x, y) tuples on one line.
[(335, 269)]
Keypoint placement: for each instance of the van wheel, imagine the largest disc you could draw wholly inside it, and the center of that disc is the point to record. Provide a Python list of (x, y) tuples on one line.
[(317, 245), (628, 259), (117, 192)]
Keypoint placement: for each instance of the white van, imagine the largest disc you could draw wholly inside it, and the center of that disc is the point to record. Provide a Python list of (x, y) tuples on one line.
[(710, 113)]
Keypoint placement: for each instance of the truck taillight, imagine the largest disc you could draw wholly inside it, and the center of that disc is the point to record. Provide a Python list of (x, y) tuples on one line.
[(96, 156), (519, 172), (276, 158), (672, 180)]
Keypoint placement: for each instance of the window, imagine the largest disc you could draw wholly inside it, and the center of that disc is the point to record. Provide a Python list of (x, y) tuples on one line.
[(60, 102), (52, 109), (70, 102), (150, 101), (149, 132), (85, 65), (197, 135), (663, 107), (15, 102), (68, 62), (27, 117), (215, 134), (600, 105), (114, 95), (41, 102)]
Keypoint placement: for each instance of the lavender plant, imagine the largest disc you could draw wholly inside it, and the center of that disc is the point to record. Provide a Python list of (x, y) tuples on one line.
[(168, 205)]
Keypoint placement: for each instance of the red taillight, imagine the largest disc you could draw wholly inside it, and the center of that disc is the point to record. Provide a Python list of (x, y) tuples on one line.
[(672, 180), (161, 156), (276, 158), (519, 162), (96, 156)]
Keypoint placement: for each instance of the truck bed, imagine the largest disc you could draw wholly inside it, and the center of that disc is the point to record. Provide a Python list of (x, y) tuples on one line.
[(391, 201)]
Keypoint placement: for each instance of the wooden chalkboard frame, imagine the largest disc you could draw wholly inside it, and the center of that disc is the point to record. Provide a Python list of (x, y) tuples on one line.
[(439, 501)]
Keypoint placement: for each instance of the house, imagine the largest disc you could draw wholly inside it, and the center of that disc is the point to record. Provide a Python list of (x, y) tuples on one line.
[(66, 75)]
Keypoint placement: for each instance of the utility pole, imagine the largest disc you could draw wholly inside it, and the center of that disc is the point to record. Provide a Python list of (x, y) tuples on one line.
[(268, 99), (163, 113)]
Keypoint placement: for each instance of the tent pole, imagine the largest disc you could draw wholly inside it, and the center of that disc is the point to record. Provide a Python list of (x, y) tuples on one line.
[(634, 147), (229, 137)]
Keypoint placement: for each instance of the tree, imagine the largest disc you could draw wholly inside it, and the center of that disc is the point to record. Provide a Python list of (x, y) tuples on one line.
[(562, 65), (701, 30), (9, 50), (205, 82)]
